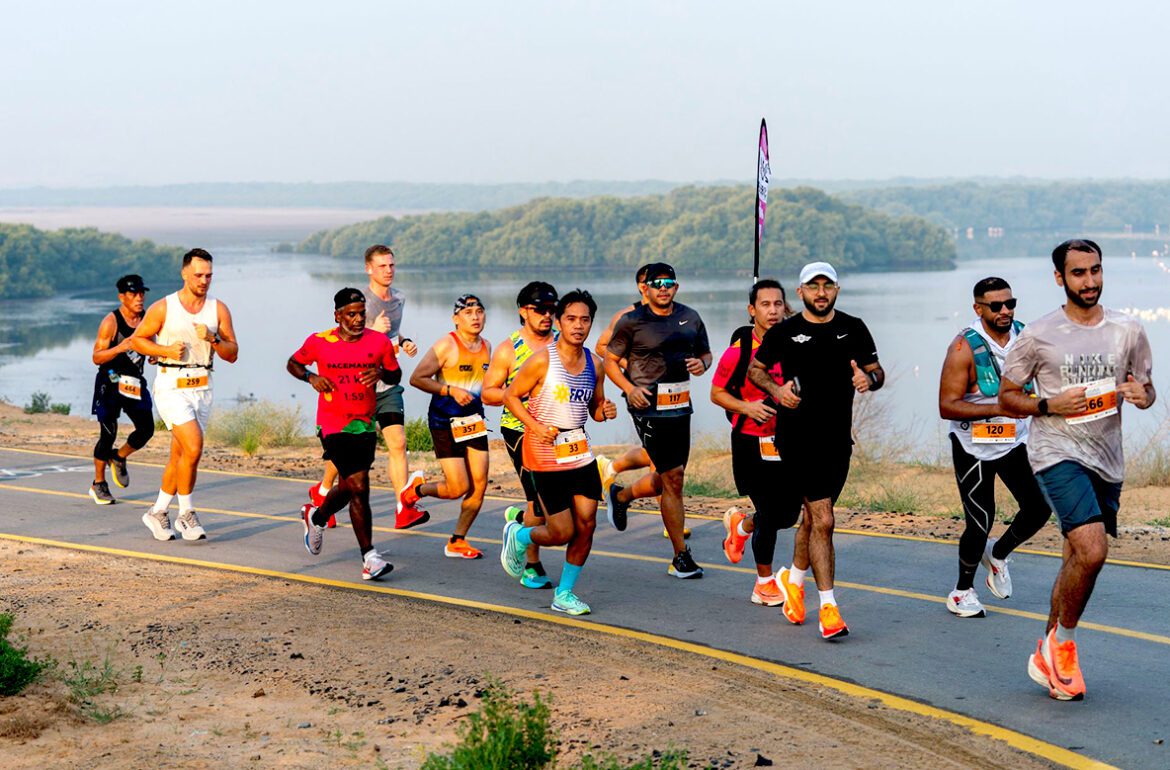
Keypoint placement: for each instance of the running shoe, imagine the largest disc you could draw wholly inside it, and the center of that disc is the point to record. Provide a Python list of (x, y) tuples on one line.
[(314, 535), (121, 473), (999, 580), (461, 549), (683, 566), (374, 567), (1037, 666), (159, 524), (189, 527), (512, 513), (793, 599), (734, 543), (686, 533), (1064, 670), (512, 551), (832, 626), (568, 603), (408, 495), (767, 594), (100, 492), (535, 578), (965, 604), (318, 499), (616, 511), (605, 471), (409, 516)]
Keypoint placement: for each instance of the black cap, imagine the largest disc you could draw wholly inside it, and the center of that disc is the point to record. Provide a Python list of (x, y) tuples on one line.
[(347, 296), (131, 283), (659, 270), (467, 300), (537, 293)]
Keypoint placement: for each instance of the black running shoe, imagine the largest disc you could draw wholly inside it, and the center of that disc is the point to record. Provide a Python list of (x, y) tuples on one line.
[(684, 567), (617, 511), (121, 474)]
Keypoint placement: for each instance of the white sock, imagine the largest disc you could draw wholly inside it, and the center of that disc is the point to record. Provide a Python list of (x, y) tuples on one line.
[(163, 502), (185, 503), (828, 598), (1065, 634), (739, 529), (763, 580), (322, 490), (796, 576)]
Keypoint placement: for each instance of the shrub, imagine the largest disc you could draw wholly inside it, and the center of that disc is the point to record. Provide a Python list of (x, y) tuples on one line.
[(418, 436), (253, 426), (16, 670), (503, 735)]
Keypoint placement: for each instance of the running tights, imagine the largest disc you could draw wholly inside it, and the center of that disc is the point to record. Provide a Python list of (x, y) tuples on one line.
[(770, 518), (976, 480), (143, 431)]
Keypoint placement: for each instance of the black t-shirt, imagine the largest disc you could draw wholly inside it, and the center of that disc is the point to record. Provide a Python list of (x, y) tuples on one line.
[(818, 355), (656, 347)]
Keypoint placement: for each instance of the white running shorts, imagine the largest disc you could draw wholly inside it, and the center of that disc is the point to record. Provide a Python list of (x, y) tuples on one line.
[(177, 407)]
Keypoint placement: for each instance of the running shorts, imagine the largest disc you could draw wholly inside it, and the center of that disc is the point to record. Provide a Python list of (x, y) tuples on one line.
[(1079, 496), (350, 452), (558, 488), (178, 407), (446, 446), (813, 475), (667, 440), (390, 408), (512, 440), (752, 474)]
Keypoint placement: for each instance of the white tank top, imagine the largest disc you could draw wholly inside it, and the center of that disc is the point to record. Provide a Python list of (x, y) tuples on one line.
[(963, 428), (179, 326)]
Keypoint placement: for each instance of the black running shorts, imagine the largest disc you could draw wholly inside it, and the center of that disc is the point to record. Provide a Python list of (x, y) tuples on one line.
[(350, 452), (512, 439), (558, 488), (813, 475), (446, 446), (667, 440)]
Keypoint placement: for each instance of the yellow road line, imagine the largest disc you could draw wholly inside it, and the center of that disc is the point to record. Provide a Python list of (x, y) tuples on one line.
[(1107, 629), (1015, 739)]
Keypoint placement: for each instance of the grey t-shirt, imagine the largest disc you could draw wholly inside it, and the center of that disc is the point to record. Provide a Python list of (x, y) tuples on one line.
[(656, 348), (1056, 354), (392, 307)]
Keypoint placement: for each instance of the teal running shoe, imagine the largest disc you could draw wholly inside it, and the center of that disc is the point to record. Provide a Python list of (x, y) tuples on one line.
[(568, 603), (512, 552), (512, 513), (533, 579)]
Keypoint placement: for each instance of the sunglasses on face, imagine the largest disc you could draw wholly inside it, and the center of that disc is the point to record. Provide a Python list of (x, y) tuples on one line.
[(662, 283), (541, 310), (996, 306)]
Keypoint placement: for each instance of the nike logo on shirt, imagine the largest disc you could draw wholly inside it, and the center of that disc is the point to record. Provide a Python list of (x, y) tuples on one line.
[(842, 336), (680, 323)]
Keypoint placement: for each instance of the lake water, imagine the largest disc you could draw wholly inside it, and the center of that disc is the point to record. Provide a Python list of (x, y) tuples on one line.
[(278, 299)]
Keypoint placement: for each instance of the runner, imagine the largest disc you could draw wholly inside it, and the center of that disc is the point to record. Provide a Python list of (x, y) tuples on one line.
[(826, 356), (1080, 358), (350, 359), (537, 303), (987, 442), (384, 305), (554, 395), (452, 372), (185, 331), (664, 343), (119, 387), (753, 444)]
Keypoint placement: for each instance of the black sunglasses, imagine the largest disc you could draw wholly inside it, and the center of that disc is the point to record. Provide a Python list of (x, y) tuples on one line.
[(542, 309), (996, 306), (662, 283)]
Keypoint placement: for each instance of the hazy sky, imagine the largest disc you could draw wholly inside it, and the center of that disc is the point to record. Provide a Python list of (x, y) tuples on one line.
[(100, 93)]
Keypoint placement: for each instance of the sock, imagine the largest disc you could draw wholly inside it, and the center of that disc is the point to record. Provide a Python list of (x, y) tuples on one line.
[(966, 576), (1003, 545), (163, 502), (827, 597), (535, 566), (185, 503), (1065, 634), (322, 490), (457, 537), (760, 580), (796, 576), (316, 516), (740, 530), (524, 536), (569, 575)]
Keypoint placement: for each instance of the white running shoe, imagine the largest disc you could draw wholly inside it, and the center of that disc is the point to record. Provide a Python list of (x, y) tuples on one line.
[(159, 524), (965, 604), (999, 580), (189, 527), (314, 535), (374, 567)]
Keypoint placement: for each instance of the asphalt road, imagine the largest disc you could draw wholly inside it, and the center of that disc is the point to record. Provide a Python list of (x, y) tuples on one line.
[(891, 590)]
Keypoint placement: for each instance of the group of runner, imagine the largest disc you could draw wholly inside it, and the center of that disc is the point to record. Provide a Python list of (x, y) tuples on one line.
[(1039, 406)]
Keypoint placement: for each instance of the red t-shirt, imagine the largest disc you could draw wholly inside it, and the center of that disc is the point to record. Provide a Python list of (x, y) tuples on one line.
[(749, 392), (350, 407)]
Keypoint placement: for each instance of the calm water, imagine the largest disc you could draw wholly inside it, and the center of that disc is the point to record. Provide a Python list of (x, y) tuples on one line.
[(277, 300)]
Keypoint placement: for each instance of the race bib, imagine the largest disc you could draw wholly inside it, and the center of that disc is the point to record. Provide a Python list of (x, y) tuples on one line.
[(1102, 398), (130, 387), (572, 446), (467, 428), (768, 451), (192, 382), (673, 395), (997, 430)]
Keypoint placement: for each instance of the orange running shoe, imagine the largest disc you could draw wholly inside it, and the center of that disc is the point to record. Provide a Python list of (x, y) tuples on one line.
[(410, 516), (1037, 666), (832, 626), (1064, 671), (408, 495), (461, 549), (733, 543), (767, 594), (793, 599)]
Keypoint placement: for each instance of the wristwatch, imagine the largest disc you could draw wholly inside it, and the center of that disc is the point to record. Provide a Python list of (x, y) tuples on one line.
[(1042, 406)]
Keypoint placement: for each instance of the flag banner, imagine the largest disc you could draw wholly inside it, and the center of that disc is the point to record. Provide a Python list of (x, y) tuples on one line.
[(763, 172)]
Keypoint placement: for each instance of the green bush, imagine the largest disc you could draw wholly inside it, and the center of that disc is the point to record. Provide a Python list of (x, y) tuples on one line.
[(503, 735), (418, 436), (251, 427), (16, 670), (40, 404)]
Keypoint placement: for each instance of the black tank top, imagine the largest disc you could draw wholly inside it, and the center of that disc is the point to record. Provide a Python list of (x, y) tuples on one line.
[(131, 363)]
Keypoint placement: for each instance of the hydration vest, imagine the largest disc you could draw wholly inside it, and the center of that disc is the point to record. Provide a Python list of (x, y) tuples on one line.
[(987, 374), (742, 335)]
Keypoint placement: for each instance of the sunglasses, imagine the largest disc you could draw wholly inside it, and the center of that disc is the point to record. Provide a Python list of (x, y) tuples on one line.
[(541, 309), (662, 283), (996, 306)]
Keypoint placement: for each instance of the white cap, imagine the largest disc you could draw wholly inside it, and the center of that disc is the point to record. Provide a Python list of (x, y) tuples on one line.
[(814, 269)]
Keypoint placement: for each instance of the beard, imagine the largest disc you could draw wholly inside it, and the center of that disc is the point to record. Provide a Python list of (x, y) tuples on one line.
[(1081, 302), (812, 308), (1001, 327)]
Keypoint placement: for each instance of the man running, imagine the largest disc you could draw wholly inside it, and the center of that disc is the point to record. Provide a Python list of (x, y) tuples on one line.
[(384, 306), (119, 387), (753, 444), (536, 304), (452, 372), (350, 359), (664, 343), (185, 331), (1084, 360), (987, 442), (554, 395), (826, 356)]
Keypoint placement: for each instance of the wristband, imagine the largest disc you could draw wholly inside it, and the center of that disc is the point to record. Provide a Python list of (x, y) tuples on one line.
[(1042, 406), (308, 374)]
